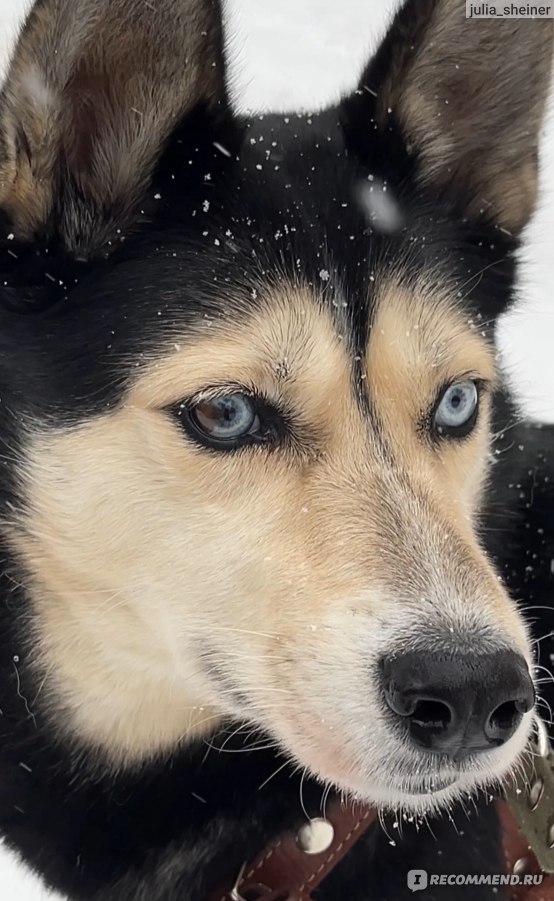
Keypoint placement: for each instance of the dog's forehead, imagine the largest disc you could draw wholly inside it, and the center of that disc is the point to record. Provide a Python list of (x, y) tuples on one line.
[(305, 342), (296, 208), (307, 270), (289, 233)]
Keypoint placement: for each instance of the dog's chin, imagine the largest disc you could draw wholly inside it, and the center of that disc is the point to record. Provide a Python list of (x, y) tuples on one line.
[(420, 792), (412, 795), (426, 795), (389, 774), (414, 788)]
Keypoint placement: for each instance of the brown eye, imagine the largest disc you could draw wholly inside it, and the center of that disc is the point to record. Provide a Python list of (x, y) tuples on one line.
[(226, 418)]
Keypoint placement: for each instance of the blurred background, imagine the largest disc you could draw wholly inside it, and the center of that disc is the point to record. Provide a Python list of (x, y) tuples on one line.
[(302, 54)]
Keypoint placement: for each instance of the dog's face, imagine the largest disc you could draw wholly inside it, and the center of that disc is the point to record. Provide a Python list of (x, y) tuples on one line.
[(248, 376)]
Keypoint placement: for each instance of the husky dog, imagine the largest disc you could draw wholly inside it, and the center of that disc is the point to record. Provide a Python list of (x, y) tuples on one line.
[(261, 486)]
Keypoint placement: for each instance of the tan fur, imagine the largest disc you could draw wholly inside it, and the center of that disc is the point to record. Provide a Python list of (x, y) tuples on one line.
[(477, 125), (96, 86), (149, 557), (420, 342)]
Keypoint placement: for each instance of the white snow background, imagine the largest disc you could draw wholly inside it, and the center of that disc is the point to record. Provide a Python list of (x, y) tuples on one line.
[(301, 54)]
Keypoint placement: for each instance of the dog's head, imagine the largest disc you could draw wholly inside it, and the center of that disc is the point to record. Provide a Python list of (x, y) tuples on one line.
[(246, 373)]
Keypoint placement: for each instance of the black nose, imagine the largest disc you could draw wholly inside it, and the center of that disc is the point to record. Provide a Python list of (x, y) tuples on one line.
[(458, 704)]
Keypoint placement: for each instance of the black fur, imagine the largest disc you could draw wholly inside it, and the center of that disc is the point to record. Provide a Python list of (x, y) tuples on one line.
[(174, 829)]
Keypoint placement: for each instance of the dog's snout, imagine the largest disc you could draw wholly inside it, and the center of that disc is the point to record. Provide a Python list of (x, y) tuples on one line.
[(458, 704)]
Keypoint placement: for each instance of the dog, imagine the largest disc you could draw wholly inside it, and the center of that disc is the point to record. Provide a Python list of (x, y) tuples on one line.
[(263, 488)]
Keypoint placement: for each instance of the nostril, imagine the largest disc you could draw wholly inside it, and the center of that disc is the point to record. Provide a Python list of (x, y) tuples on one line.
[(429, 720), (431, 714), (504, 720)]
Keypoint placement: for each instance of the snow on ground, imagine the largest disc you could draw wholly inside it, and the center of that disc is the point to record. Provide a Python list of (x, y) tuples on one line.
[(288, 54)]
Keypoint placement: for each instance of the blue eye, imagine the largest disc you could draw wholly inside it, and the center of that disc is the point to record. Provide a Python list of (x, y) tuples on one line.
[(456, 412), (231, 421), (226, 418)]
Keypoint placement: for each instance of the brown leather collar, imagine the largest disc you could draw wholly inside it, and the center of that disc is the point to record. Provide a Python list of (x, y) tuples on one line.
[(293, 866), (285, 871)]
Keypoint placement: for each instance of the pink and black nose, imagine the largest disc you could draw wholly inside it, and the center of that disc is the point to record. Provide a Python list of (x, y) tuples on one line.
[(460, 704)]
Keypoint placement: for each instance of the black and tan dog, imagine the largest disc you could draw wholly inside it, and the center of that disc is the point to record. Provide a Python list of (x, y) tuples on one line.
[(258, 488)]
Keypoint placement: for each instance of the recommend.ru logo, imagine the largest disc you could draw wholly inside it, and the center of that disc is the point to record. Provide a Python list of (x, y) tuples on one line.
[(419, 879)]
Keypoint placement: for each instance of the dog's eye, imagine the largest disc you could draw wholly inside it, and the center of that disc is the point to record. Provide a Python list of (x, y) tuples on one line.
[(456, 412), (229, 421), (225, 418)]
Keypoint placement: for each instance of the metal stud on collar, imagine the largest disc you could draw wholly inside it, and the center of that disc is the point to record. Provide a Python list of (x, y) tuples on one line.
[(315, 836), (543, 742), (535, 794), (521, 866)]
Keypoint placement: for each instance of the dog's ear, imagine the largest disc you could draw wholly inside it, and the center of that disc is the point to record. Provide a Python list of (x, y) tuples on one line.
[(467, 98), (93, 92)]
